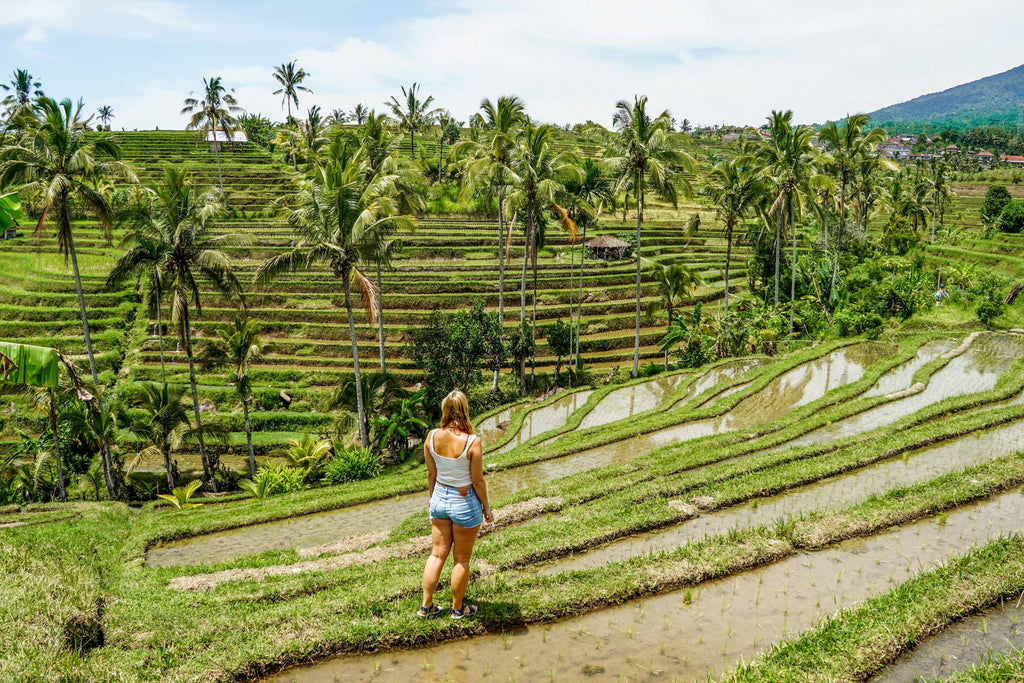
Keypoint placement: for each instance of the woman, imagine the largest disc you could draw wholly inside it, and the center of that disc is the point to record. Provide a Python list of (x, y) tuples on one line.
[(458, 502)]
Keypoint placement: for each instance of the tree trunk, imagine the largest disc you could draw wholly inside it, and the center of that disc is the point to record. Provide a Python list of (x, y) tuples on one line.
[(108, 469), (248, 435), (639, 226), (579, 306), (380, 320), (522, 295), (167, 465), (778, 249), (839, 238), (826, 223), (364, 437), (533, 317), (501, 273), (792, 274), (935, 214), (728, 255), (572, 334), (216, 153), (208, 466), (412, 143), (440, 153), (160, 330), (62, 492), (65, 219)]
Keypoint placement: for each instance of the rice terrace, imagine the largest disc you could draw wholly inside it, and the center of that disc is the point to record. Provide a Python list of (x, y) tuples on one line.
[(748, 399)]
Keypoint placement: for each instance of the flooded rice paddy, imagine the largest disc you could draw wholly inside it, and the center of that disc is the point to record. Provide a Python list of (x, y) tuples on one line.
[(962, 645), (803, 384), (691, 634), (546, 418), (977, 370), (832, 493)]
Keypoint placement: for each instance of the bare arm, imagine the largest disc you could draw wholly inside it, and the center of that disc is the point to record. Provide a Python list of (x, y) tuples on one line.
[(476, 469), (431, 466)]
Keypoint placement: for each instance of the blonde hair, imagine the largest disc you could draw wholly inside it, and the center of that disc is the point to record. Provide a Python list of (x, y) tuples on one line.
[(455, 412)]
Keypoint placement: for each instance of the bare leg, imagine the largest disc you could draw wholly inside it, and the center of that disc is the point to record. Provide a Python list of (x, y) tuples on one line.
[(464, 540), (441, 535)]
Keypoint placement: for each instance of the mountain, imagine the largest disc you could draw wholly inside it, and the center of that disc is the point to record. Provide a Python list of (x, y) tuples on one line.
[(993, 100)]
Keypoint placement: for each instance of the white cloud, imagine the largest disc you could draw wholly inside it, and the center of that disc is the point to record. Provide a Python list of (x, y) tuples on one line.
[(705, 60)]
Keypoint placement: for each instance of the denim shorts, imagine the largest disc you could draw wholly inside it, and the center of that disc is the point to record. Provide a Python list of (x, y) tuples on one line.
[(465, 511)]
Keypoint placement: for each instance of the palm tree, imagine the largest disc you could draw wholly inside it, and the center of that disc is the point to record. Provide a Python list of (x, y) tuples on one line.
[(489, 166), (586, 197), (164, 423), (290, 76), (675, 284), (22, 89), (96, 422), (412, 114), (57, 160), (735, 190), (193, 255), (341, 215), (643, 156), (789, 164), (938, 190), (147, 241), (359, 114), (106, 112), (846, 146), (239, 344), (537, 173), (215, 110)]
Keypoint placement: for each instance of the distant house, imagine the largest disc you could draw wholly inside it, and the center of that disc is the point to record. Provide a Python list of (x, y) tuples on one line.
[(917, 156), (1012, 160), (606, 247), (950, 149), (984, 158), (218, 137)]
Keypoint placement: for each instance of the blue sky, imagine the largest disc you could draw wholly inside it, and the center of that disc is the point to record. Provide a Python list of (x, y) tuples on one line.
[(706, 60)]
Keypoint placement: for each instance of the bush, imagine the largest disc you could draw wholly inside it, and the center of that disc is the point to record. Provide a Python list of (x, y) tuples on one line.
[(352, 464), (996, 199), (275, 478), (1012, 217), (899, 236), (988, 310)]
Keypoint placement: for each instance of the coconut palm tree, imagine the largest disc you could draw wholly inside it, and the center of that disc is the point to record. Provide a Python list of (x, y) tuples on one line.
[(487, 165), (412, 114), (59, 163), (789, 165), (193, 255), (147, 241), (289, 76), (215, 109), (21, 91), (675, 284), (341, 216), (536, 174), (238, 345), (106, 112), (586, 197), (735, 189), (643, 156), (164, 422), (846, 145), (97, 423), (359, 114), (938, 191)]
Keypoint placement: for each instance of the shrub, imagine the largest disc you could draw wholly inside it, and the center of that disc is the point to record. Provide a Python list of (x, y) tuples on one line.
[(275, 478), (1012, 217), (899, 236), (996, 198), (988, 310), (352, 464)]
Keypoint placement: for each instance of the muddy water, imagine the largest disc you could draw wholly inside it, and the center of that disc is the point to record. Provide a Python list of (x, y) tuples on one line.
[(717, 375), (828, 494), (629, 401), (547, 418), (488, 429), (978, 369), (901, 377), (961, 646), (845, 365), (692, 634)]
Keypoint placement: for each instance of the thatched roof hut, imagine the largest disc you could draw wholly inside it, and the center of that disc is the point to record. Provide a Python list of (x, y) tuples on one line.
[(607, 247)]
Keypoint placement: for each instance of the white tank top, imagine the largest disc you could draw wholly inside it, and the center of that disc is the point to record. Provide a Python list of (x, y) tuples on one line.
[(453, 472)]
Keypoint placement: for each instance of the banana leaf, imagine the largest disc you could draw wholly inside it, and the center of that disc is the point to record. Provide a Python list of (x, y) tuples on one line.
[(35, 366), (10, 210)]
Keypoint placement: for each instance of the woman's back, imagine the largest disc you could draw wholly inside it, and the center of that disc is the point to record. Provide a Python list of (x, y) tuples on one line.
[(450, 453)]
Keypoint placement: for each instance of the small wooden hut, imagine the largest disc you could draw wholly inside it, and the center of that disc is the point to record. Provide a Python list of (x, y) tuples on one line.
[(606, 248)]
